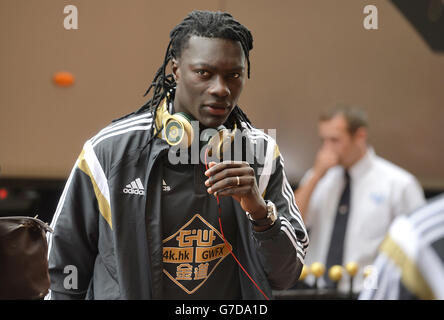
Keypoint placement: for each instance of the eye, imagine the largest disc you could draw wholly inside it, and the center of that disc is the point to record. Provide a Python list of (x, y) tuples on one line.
[(203, 73), (235, 75)]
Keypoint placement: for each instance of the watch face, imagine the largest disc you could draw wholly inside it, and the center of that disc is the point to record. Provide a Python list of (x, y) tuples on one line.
[(271, 211), (269, 219)]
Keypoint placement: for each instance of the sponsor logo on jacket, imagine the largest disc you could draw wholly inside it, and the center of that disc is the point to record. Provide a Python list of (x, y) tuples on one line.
[(192, 253), (135, 187)]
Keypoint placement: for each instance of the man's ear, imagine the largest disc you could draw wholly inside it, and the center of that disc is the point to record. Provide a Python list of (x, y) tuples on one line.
[(362, 134), (175, 68)]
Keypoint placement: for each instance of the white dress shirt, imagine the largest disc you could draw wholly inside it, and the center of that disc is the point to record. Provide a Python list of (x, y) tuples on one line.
[(380, 191)]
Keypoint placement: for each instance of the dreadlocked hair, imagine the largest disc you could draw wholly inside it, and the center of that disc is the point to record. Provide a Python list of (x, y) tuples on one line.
[(203, 24)]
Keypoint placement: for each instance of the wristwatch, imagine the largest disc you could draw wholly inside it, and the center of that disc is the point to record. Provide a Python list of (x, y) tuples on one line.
[(269, 220)]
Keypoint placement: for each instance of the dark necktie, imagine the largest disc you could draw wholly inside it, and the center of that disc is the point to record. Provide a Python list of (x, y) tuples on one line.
[(335, 253)]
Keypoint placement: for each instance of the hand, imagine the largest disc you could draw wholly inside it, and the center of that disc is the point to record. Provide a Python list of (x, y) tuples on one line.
[(326, 158), (236, 179)]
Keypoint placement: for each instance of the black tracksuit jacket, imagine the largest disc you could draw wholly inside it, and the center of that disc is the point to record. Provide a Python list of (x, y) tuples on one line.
[(112, 239)]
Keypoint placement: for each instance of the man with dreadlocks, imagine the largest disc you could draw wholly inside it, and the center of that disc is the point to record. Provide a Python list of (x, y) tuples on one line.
[(130, 224)]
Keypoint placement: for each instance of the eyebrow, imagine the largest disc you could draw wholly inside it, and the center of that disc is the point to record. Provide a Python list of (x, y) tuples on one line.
[(211, 67)]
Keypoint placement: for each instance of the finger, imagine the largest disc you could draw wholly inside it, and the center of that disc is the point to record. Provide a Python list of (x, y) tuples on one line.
[(212, 164), (224, 165), (229, 192), (228, 173), (232, 182), (227, 182)]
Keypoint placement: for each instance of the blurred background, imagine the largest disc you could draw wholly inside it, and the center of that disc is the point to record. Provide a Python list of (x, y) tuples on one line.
[(308, 56)]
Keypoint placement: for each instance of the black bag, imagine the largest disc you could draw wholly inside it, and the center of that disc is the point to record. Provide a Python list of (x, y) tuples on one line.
[(23, 258)]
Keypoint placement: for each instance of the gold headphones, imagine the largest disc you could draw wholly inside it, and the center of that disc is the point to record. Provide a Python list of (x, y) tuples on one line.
[(178, 131)]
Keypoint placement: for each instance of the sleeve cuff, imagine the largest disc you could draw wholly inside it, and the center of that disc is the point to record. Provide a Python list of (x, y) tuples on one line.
[(269, 233)]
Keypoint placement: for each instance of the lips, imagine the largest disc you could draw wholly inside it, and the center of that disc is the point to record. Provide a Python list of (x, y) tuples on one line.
[(217, 108)]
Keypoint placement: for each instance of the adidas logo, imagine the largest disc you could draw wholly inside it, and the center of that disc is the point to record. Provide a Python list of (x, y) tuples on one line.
[(165, 187), (135, 187)]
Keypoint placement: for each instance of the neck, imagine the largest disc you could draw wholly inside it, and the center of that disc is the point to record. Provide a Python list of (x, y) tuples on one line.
[(359, 155)]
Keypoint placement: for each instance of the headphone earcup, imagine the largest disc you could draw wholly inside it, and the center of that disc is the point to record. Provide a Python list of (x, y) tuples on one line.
[(178, 129)]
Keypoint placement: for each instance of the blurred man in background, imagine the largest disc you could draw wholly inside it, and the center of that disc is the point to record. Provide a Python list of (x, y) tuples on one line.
[(350, 196)]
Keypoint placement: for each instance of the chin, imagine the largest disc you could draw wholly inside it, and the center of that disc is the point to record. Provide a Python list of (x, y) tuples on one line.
[(213, 122)]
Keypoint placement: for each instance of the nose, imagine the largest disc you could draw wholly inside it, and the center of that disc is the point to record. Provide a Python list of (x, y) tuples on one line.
[(219, 87)]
